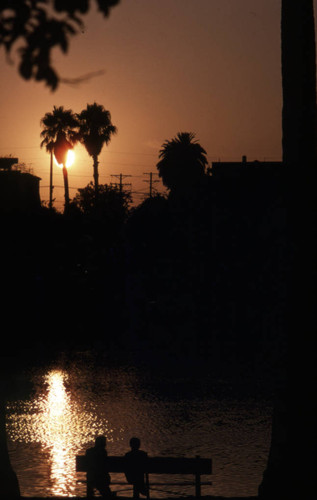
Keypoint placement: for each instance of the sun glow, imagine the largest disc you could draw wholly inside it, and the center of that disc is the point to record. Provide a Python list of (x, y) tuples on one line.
[(69, 160)]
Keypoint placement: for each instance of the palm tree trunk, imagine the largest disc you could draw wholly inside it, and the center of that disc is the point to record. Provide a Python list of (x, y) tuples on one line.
[(51, 181), (292, 466), (96, 177), (298, 82), (9, 485), (65, 175)]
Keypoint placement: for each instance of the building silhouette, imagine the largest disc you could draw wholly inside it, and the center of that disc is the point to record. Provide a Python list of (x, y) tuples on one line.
[(248, 169), (19, 189)]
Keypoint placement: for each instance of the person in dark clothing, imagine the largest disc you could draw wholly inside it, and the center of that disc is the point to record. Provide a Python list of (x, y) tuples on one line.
[(135, 467), (97, 475)]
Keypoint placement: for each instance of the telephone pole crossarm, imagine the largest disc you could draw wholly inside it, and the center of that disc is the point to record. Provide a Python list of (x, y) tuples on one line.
[(121, 177)]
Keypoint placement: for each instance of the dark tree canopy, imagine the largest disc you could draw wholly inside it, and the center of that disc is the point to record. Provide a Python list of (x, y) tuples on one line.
[(182, 162), (113, 204), (59, 122), (42, 25)]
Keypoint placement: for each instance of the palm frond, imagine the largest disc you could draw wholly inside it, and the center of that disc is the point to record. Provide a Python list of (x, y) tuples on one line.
[(182, 162)]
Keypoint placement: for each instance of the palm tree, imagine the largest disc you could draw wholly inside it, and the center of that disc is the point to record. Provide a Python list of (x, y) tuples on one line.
[(182, 162), (95, 130), (291, 468), (59, 135)]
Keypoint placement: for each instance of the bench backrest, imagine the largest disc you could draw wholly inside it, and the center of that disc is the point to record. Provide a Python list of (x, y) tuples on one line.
[(155, 465)]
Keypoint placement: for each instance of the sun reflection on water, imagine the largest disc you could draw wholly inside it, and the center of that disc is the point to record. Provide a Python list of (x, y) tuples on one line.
[(61, 426)]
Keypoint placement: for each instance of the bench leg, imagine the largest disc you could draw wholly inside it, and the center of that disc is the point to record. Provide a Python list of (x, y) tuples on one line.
[(90, 491), (147, 484), (135, 492), (198, 486)]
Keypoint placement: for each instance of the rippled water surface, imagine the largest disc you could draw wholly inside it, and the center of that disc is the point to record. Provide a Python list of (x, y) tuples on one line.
[(70, 406)]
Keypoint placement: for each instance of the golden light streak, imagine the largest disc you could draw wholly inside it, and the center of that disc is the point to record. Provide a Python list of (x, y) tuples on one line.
[(62, 427)]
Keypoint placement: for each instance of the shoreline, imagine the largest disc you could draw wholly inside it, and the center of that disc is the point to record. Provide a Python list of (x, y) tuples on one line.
[(153, 498)]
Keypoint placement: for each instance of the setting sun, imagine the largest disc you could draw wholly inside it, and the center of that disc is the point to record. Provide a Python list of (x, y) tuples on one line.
[(69, 161)]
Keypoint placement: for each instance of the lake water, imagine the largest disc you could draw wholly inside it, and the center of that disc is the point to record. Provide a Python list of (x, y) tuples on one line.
[(73, 402)]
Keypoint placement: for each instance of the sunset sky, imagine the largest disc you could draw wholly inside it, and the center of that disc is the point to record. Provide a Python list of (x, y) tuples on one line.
[(211, 67)]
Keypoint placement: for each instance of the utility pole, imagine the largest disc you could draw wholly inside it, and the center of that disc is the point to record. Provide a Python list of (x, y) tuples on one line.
[(151, 181), (121, 184), (51, 181)]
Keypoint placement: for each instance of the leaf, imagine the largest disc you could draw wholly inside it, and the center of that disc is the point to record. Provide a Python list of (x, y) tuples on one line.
[(105, 5), (25, 69)]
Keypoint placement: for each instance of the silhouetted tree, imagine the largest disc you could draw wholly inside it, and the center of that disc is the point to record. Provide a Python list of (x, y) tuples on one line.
[(59, 120), (113, 204), (182, 162), (59, 135), (291, 468), (42, 25), (148, 229), (299, 83), (95, 130)]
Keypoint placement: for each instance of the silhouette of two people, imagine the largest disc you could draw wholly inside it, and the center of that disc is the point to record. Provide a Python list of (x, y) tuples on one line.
[(97, 475), (135, 468)]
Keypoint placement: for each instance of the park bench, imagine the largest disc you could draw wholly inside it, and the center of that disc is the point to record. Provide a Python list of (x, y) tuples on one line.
[(159, 465)]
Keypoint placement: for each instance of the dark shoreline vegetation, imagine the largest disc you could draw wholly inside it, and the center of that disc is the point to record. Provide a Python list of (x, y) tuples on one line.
[(167, 498), (187, 284)]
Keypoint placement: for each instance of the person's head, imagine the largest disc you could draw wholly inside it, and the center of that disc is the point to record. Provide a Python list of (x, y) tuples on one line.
[(135, 443), (100, 442)]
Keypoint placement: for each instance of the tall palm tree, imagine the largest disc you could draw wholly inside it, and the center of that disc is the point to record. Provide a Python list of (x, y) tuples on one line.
[(182, 162), (95, 130), (59, 134), (292, 462)]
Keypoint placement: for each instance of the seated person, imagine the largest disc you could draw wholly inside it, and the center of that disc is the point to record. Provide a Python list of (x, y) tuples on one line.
[(97, 475), (135, 463)]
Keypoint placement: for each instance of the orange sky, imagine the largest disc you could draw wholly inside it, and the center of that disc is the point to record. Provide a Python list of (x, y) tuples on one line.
[(206, 66)]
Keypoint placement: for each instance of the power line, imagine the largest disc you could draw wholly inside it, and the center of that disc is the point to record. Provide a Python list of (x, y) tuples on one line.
[(103, 152)]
